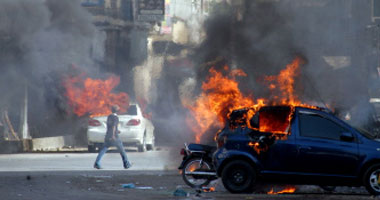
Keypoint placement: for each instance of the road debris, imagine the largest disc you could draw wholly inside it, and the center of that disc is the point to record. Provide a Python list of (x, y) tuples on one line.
[(98, 176), (128, 185), (144, 188), (180, 193)]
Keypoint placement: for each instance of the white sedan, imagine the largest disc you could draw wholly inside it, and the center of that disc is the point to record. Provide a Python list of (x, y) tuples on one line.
[(135, 130)]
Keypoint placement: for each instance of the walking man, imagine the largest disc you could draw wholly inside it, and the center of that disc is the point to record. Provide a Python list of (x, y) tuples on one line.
[(112, 139)]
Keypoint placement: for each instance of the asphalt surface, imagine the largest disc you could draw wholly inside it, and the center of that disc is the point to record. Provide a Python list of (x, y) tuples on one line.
[(68, 175), (162, 159)]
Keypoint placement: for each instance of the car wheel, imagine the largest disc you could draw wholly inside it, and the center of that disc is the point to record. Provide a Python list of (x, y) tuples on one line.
[(142, 147), (372, 179), (239, 176), (150, 147), (91, 148)]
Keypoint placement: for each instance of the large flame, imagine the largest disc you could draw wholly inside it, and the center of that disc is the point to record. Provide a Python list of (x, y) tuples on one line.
[(221, 95), (275, 121), (282, 85), (94, 96), (283, 93)]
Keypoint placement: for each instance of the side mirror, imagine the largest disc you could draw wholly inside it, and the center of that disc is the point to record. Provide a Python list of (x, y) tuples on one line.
[(347, 137)]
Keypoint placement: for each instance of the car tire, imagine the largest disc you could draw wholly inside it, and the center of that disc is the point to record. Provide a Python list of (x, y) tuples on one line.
[(142, 147), (239, 176), (150, 147), (371, 179), (91, 148)]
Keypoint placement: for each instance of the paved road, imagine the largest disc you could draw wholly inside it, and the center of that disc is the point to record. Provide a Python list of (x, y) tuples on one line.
[(108, 184), (164, 159), (52, 176)]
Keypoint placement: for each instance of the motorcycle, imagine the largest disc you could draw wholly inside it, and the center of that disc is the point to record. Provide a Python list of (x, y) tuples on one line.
[(197, 168)]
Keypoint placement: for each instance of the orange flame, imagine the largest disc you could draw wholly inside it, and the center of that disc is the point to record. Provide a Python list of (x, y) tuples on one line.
[(221, 95), (143, 105), (192, 168), (208, 189), (289, 189), (283, 84), (275, 121), (256, 147), (94, 96)]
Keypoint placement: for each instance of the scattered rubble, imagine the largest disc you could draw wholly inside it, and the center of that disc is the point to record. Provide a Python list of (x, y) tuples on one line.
[(97, 176), (128, 185), (144, 188), (180, 193)]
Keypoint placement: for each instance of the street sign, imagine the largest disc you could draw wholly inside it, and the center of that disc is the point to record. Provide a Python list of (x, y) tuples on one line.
[(150, 10)]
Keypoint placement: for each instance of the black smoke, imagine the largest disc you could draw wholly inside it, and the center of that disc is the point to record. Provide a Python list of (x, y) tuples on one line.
[(262, 37), (40, 41)]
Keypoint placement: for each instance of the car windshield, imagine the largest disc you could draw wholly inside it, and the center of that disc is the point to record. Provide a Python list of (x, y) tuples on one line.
[(132, 110), (365, 133)]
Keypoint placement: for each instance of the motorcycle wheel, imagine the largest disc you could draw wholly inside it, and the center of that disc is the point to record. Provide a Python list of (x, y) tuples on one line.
[(196, 181)]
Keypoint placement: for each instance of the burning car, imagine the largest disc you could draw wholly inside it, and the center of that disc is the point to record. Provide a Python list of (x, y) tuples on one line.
[(295, 145), (135, 130)]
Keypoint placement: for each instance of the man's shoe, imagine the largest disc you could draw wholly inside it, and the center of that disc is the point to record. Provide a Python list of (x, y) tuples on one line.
[(97, 166), (127, 165)]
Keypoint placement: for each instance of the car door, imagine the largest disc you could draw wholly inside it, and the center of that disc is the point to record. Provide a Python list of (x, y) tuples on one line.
[(280, 156), (320, 148)]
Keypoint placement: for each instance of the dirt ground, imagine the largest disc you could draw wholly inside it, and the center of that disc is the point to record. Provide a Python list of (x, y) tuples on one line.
[(148, 185)]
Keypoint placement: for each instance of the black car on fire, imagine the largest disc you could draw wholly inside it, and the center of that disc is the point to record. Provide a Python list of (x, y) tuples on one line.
[(296, 145)]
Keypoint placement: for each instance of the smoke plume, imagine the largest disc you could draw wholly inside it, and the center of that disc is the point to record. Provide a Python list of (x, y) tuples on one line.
[(261, 37), (39, 40)]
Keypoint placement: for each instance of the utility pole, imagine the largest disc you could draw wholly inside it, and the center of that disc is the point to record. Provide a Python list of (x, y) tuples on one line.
[(24, 127)]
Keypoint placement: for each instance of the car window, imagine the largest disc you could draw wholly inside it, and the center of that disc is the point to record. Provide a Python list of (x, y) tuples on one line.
[(319, 127), (132, 110), (274, 119)]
